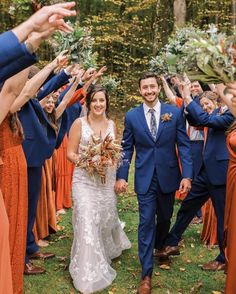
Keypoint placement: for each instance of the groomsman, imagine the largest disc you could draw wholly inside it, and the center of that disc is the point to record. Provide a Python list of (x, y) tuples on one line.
[(209, 182), (154, 129)]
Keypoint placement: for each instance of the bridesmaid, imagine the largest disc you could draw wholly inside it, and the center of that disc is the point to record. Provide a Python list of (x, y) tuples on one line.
[(230, 206), (13, 181)]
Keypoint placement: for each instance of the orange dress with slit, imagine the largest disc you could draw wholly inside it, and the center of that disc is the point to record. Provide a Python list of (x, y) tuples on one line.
[(14, 186), (209, 229), (64, 168), (5, 264), (45, 222), (64, 172), (230, 216)]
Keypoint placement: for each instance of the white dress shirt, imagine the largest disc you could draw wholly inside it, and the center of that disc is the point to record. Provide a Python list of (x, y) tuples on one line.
[(157, 113)]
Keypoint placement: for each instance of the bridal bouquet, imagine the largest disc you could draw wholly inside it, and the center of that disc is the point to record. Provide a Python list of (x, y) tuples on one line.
[(99, 155)]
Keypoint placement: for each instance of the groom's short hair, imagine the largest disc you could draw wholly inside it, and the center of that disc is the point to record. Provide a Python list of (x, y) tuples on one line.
[(149, 74)]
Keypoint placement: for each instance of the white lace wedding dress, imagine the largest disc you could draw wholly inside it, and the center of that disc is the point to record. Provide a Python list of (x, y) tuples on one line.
[(98, 235)]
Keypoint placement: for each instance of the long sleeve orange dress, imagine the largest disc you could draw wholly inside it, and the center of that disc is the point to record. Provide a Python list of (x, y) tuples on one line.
[(14, 186), (5, 264), (230, 216)]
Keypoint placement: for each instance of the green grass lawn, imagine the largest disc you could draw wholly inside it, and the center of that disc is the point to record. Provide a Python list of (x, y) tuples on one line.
[(184, 276)]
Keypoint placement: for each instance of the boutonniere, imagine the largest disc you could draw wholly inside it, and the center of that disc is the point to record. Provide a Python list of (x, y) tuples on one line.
[(166, 117), (222, 110)]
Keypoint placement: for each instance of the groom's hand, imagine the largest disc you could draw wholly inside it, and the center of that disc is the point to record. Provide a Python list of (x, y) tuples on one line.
[(185, 185), (121, 186)]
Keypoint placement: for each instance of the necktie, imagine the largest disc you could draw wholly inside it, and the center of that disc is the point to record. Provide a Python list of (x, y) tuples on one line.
[(153, 124)]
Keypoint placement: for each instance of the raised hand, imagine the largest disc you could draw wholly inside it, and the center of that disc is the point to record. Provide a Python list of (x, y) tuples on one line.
[(48, 17), (88, 74), (52, 16)]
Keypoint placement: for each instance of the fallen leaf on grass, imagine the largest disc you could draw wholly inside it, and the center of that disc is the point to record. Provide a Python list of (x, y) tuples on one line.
[(165, 267), (195, 288), (60, 228), (61, 258), (63, 237)]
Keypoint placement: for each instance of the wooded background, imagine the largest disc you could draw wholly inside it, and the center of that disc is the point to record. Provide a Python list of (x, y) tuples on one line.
[(129, 32)]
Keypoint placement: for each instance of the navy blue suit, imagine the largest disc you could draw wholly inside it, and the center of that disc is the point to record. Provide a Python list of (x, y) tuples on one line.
[(157, 174), (39, 143), (14, 56), (211, 175)]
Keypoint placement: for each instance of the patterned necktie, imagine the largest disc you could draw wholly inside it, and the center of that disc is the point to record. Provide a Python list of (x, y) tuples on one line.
[(153, 125)]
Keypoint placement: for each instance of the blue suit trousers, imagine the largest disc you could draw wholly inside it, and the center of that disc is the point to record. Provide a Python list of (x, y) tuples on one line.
[(199, 194), (34, 183), (155, 212)]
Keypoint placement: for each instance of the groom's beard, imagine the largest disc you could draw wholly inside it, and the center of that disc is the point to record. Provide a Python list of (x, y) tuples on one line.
[(151, 100)]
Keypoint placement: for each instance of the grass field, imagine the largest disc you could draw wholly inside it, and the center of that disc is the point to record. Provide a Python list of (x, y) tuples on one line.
[(184, 276)]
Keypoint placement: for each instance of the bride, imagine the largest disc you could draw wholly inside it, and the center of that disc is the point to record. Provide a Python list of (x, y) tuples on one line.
[(98, 235)]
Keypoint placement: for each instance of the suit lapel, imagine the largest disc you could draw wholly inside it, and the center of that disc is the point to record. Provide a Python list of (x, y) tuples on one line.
[(143, 121), (161, 124)]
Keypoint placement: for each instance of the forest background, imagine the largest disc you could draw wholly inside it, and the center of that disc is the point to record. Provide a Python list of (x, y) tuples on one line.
[(128, 33)]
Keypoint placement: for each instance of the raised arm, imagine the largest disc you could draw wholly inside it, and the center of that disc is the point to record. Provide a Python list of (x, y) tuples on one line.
[(33, 85), (228, 95), (169, 94), (46, 18), (66, 99), (74, 141), (11, 89)]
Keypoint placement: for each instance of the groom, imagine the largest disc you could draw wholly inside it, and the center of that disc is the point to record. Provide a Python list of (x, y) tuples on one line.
[(154, 129)]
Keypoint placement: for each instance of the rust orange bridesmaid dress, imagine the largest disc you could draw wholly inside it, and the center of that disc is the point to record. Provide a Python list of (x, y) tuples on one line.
[(45, 222), (13, 183), (230, 216), (209, 229), (64, 171), (5, 265)]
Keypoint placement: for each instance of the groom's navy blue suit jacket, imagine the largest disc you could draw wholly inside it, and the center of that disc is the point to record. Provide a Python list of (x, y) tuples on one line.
[(159, 154)]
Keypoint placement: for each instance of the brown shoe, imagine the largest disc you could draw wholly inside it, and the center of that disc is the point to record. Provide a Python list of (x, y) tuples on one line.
[(145, 286), (31, 269), (41, 255), (213, 266), (167, 251)]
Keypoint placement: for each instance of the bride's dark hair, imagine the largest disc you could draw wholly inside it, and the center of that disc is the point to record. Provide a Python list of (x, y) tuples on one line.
[(91, 92)]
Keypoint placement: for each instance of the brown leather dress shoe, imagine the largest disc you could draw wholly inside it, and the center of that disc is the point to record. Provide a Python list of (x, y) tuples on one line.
[(167, 251), (41, 255), (213, 266), (145, 286), (31, 269)]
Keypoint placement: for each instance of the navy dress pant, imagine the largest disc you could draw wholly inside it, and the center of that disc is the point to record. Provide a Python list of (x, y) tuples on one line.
[(155, 212), (199, 194), (34, 184)]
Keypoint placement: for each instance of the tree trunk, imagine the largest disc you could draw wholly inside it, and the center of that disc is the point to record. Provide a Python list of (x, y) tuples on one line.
[(233, 21), (179, 12), (156, 28)]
